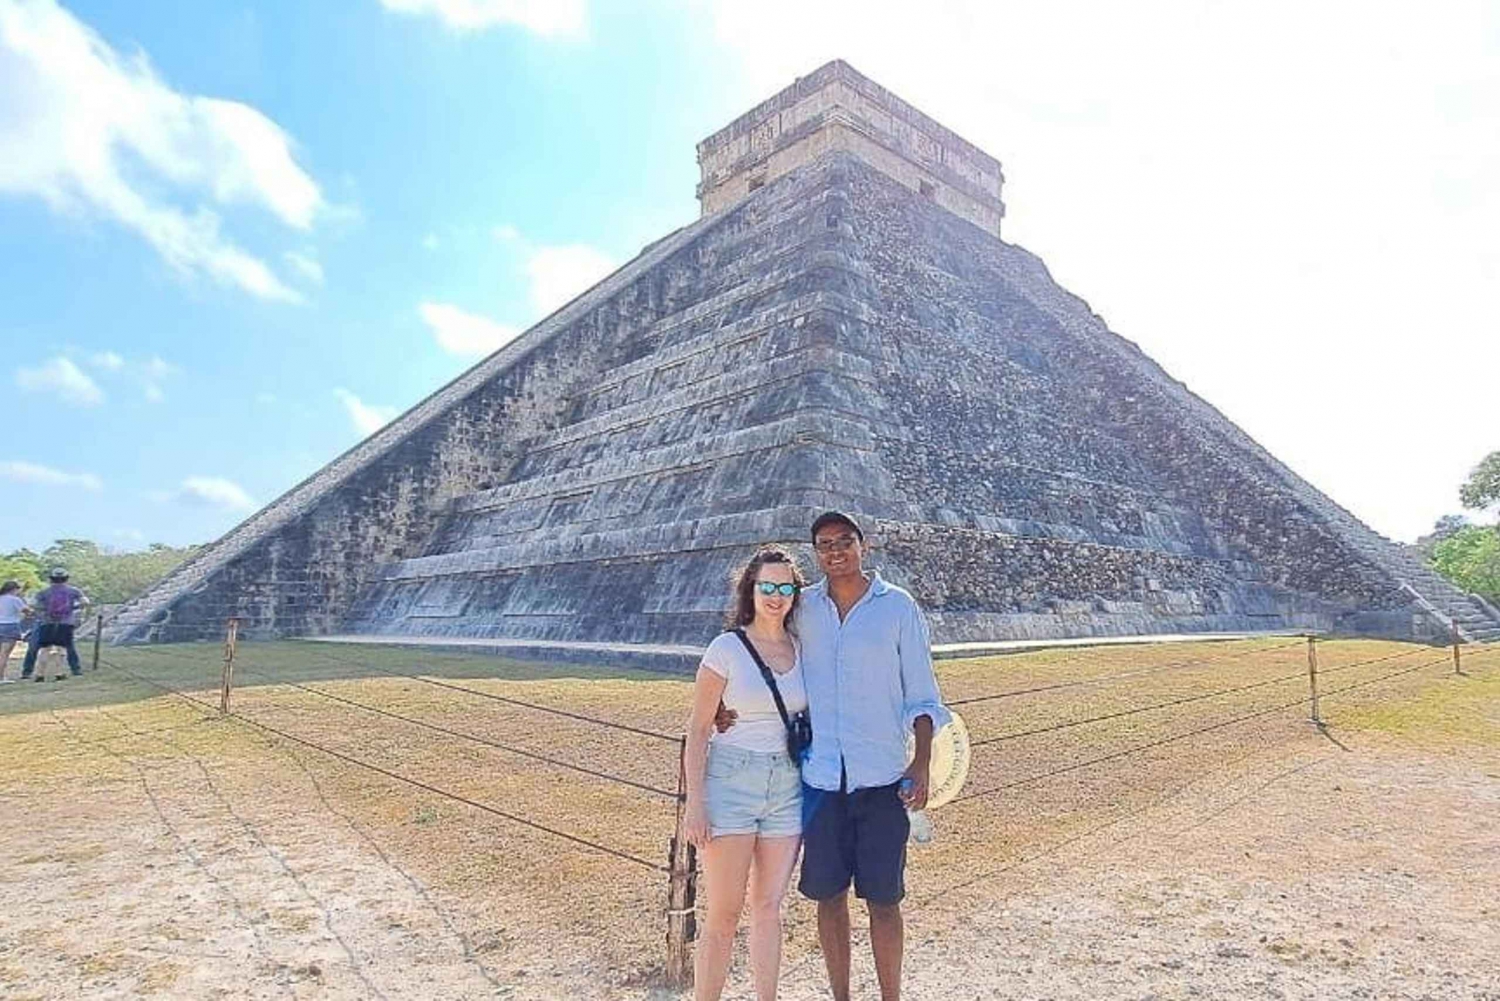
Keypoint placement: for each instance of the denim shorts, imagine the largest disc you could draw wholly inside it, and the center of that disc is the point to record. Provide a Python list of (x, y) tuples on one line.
[(10, 631), (752, 792)]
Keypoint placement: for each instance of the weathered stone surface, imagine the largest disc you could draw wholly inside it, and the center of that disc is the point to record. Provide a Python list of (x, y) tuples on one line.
[(832, 340)]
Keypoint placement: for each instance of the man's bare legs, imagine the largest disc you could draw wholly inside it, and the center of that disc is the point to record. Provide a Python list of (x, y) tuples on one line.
[(769, 876), (887, 941), (833, 937)]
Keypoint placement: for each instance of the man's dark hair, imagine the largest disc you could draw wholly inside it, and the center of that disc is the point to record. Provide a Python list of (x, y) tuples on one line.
[(828, 518)]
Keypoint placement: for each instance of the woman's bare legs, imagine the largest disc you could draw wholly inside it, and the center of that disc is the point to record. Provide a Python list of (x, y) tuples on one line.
[(6, 646), (769, 876), (726, 870)]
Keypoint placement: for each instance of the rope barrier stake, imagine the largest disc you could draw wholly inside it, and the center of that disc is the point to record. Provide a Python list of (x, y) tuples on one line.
[(231, 636), (1457, 667), (98, 635), (1312, 676), (682, 889)]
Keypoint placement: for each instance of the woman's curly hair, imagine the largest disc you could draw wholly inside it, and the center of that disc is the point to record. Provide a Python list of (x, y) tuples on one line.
[(742, 609)]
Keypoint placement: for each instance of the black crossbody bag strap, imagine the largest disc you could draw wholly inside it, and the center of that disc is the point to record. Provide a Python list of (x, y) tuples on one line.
[(765, 672)]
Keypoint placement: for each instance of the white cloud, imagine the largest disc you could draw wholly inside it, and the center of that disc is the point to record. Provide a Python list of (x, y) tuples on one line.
[(90, 131), (505, 233), (63, 378), (366, 418), (305, 265), (158, 369), (153, 373), (214, 491), (107, 360), (430, 242), (30, 472), (544, 17), (557, 274), (465, 334)]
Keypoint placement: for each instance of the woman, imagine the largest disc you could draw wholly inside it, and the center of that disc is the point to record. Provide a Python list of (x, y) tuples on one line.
[(744, 789), (13, 609)]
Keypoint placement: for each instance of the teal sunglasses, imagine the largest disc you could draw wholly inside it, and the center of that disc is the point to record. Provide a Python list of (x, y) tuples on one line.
[(769, 588)]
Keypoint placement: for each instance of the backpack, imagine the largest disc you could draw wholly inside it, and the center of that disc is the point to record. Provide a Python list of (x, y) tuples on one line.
[(59, 604)]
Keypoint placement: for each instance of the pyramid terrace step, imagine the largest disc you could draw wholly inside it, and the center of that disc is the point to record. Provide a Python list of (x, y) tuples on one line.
[(744, 381), (804, 427)]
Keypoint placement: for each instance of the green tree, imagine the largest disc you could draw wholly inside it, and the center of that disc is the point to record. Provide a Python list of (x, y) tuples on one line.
[(1447, 526), (1470, 558), (21, 566), (107, 576), (1483, 485)]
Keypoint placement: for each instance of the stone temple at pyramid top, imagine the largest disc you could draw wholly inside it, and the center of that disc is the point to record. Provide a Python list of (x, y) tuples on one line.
[(837, 108)]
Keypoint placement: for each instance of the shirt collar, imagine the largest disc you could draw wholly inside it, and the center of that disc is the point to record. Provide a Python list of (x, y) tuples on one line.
[(878, 586)]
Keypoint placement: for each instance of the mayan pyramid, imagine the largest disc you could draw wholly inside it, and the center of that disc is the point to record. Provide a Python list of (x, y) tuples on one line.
[(843, 327)]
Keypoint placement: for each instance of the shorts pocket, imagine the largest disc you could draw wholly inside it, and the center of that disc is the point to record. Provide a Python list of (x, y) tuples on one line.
[(723, 766)]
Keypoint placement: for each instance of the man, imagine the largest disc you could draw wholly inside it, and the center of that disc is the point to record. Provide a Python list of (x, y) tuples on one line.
[(57, 607), (867, 664)]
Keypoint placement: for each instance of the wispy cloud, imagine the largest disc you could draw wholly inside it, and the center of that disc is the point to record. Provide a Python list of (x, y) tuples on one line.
[(431, 242), (63, 379), (557, 274), (305, 265), (466, 334), (19, 471), (544, 17), (214, 491), (367, 418), (88, 130), (150, 374)]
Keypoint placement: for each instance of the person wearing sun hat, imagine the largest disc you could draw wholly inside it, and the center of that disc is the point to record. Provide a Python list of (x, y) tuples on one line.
[(56, 607)]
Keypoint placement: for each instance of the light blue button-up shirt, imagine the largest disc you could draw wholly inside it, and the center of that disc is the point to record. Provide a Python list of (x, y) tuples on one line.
[(868, 679)]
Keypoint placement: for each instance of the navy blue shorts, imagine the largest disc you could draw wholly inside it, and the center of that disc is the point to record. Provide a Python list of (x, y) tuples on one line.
[(857, 837)]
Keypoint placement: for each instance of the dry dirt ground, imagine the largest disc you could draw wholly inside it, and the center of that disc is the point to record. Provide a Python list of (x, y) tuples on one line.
[(1214, 847)]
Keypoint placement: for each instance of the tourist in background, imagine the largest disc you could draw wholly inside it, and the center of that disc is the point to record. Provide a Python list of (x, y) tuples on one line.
[(13, 612), (744, 788), (56, 606)]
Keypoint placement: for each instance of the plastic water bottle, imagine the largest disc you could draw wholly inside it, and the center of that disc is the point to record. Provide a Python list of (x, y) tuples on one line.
[(920, 823)]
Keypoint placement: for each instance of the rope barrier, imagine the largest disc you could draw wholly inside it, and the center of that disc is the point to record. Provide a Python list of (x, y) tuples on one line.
[(1084, 682), (317, 651), (1030, 780), (521, 703), (1296, 676), (397, 776), (466, 736)]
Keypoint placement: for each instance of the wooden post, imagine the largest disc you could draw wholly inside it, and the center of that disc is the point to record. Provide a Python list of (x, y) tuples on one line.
[(231, 636), (98, 635), (1457, 667), (1312, 675), (682, 892)]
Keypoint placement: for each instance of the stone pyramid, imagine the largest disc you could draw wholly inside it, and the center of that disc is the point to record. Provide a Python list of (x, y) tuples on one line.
[(842, 328)]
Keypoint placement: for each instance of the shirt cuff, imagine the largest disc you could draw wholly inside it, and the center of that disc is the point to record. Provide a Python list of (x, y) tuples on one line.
[(935, 711)]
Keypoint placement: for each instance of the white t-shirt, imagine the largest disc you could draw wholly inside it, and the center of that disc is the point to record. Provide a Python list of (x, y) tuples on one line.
[(759, 727), (11, 608)]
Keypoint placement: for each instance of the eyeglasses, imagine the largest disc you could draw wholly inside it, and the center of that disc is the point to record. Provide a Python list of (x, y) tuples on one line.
[(839, 545), (768, 588)]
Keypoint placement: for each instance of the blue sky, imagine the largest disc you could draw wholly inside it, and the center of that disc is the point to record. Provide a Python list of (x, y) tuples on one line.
[(234, 238)]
